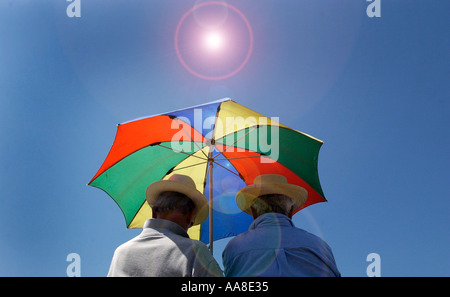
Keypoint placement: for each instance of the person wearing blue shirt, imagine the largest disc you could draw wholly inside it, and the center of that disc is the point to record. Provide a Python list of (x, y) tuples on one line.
[(273, 246)]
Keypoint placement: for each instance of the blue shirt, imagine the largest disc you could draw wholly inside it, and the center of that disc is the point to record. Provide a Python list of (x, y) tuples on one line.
[(273, 246)]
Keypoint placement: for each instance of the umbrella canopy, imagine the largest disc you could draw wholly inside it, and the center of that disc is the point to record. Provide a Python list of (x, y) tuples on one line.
[(236, 141)]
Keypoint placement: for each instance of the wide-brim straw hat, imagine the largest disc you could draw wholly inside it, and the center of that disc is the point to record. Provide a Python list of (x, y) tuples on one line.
[(270, 184), (181, 184)]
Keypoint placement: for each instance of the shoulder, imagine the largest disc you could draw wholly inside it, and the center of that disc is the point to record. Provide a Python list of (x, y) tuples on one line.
[(192, 247), (235, 241), (126, 245), (306, 234), (198, 245), (237, 244), (205, 264), (311, 240)]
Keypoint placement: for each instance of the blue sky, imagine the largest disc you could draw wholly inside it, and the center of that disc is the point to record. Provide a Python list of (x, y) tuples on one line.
[(375, 90)]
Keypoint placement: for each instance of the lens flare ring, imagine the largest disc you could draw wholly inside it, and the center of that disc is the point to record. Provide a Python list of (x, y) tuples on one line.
[(214, 41)]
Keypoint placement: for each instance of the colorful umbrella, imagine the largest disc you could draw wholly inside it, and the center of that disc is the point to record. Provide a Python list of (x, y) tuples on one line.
[(237, 142)]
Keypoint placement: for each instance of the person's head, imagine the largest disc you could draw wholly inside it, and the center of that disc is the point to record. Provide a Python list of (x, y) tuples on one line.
[(178, 200), (175, 207), (278, 203), (271, 193)]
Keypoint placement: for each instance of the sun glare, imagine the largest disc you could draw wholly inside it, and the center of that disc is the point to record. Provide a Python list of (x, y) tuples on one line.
[(214, 41)]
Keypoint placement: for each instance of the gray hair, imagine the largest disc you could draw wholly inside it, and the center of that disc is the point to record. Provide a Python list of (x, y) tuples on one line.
[(272, 203), (169, 200)]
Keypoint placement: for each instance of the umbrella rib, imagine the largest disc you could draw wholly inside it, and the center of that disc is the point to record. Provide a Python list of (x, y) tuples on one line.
[(247, 157), (182, 127), (232, 145), (188, 166), (189, 154)]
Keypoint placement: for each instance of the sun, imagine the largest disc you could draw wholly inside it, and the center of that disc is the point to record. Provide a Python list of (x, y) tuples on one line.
[(213, 41)]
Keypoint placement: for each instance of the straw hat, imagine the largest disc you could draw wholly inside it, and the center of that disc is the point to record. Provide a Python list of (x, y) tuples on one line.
[(181, 184), (270, 184)]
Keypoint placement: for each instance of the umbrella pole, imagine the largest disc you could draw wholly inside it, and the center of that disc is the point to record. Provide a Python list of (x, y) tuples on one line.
[(210, 207)]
